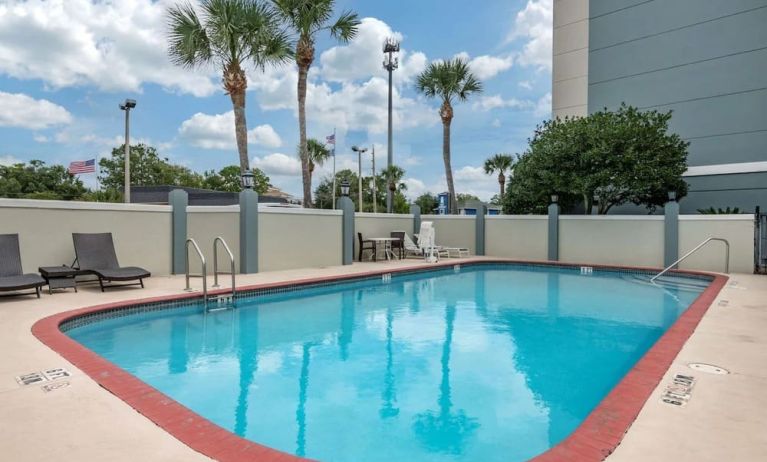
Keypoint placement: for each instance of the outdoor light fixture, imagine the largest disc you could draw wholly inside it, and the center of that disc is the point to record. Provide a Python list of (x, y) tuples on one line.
[(390, 63), (127, 106), (247, 179), (359, 152), (554, 198), (345, 188), (672, 196)]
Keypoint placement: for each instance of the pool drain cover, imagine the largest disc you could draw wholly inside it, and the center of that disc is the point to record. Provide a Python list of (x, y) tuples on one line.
[(708, 368)]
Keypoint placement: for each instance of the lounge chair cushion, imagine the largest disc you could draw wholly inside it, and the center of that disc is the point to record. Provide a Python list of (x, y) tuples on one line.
[(22, 281), (127, 273)]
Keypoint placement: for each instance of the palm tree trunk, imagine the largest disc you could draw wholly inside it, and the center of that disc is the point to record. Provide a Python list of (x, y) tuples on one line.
[(502, 182), (303, 72), (448, 167), (241, 128)]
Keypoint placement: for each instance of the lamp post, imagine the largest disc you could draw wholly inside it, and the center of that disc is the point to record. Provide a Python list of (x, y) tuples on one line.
[(127, 106), (390, 63), (345, 188), (375, 191), (247, 179), (359, 152)]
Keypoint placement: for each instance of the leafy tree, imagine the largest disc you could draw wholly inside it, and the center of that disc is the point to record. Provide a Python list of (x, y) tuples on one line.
[(500, 163), (428, 202), (450, 81), (719, 211), (317, 153), (35, 180), (463, 197), (307, 18), (229, 179), (147, 169), (607, 158), (323, 194), (228, 34)]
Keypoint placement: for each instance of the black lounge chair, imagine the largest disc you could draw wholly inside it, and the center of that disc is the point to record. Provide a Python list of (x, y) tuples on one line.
[(95, 253), (12, 278)]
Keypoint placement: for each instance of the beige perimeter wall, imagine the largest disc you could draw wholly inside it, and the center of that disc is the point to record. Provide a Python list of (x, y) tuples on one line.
[(380, 225), (298, 238), (737, 229), (454, 230), (523, 237), (204, 224), (141, 233), (613, 240)]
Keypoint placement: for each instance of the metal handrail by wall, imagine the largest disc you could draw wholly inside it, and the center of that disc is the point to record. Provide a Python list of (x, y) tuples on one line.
[(726, 258), (216, 241), (204, 270)]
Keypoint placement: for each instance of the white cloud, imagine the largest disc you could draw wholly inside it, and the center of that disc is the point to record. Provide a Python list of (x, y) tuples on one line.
[(9, 160), (41, 138), (415, 188), (23, 111), (534, 24), (543, 106), (487, 103), (114, 46), (526, 84), (496, 123), (217, 132), (486, 67), (278, 164), (363, 56)]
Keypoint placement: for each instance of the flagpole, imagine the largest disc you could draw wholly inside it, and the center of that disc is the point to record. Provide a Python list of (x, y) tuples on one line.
[(334, 168)]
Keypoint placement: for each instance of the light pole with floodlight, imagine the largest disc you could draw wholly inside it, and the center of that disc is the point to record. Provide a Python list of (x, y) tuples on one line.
[(127, 106), (390, 63), (359, 152)]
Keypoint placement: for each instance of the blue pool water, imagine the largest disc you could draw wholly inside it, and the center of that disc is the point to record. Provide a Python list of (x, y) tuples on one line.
[(492, 363)]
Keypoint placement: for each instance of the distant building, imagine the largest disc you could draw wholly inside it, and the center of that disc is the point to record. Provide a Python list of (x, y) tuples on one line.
[(705, 60), (198, 196), (471, 207)]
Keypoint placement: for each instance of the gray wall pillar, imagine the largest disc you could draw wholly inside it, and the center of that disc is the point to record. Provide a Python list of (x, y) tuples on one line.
[(479, 237), (178, 200), (248, 231), (554, 232), (671, 233), (416, 211), (347, 229)]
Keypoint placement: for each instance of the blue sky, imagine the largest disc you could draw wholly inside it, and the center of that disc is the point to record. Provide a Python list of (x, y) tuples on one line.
[(65, 66)]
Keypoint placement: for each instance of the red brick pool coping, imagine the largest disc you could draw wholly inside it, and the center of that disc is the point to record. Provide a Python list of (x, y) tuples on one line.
[(594, 439)]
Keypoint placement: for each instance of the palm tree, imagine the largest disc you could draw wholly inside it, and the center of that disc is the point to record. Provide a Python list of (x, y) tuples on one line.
[(393, 176), (500, 163), (307, 18), (228, 34), (317, 155), (448, 80)]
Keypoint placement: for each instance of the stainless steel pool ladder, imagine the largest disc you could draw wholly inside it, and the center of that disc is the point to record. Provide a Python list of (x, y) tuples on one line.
[(726, 257), (216, 241), (204, 270)]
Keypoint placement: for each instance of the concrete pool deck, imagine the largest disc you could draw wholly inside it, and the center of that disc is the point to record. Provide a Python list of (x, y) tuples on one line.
[(724, 418)]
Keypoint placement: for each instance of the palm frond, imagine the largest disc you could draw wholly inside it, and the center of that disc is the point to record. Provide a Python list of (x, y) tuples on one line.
[(189, 45), (345, 28), (448, 79)]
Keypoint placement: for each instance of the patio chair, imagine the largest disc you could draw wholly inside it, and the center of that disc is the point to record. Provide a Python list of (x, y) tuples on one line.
[(411, 247), (399, 244), (12, 278), (366, 244), (442, 250), (95, 253)]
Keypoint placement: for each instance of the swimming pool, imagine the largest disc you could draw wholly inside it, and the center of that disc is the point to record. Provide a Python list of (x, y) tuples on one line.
[(484, 362)]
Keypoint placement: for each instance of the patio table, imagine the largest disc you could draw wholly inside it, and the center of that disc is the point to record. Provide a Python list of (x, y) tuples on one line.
[(386, 248)]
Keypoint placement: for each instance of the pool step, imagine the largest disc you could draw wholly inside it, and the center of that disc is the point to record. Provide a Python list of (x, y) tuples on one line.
[(670, 282), (221, 302)]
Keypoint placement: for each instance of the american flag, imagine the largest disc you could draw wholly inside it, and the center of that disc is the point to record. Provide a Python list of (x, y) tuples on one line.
[(330, 139), (82, 166)]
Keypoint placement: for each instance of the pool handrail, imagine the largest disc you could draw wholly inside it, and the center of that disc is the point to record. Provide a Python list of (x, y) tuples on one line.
[(216, 241), (726, 257), (204, 270)]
